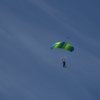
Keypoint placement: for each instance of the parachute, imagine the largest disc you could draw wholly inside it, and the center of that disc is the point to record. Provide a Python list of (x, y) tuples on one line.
[(63, 45)]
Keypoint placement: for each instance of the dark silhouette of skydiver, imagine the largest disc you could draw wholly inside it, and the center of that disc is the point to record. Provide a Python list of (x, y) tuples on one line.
[(64, 63)]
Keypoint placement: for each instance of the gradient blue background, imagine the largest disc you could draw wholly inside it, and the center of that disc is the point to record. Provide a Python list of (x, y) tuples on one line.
[(29, 69)]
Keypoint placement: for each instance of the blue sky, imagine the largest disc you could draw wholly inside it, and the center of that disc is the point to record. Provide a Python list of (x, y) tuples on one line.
[(29, 69)]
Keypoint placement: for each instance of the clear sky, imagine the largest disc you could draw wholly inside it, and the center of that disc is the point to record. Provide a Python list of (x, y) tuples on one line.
[(29, 69)]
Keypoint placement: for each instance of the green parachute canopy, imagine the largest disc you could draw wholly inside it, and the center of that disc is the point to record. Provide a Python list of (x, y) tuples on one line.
[(63, 45)]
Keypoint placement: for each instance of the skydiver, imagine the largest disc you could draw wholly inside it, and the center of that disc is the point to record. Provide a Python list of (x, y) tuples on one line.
[(64, 63)]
